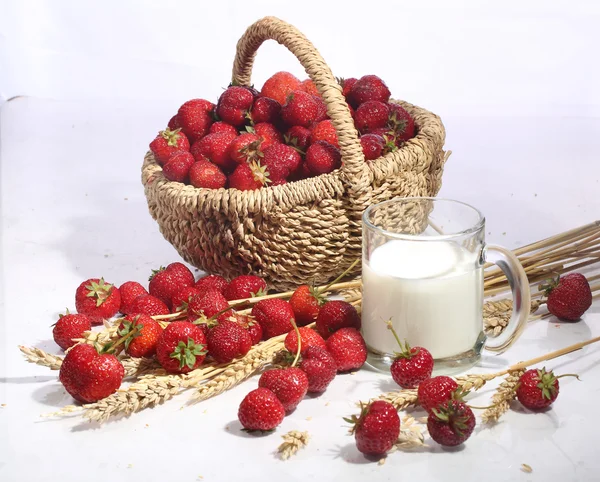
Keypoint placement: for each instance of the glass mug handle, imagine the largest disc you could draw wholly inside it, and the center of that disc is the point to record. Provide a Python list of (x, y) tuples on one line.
[(519, 285)]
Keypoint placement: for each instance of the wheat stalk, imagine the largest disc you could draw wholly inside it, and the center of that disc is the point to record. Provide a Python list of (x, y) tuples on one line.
[(497, 314), (40, 357), (505, 393), (411, 435), (400, 399), (293, 441)]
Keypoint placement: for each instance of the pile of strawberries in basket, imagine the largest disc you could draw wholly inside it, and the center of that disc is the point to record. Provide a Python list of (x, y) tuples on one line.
[(251, 139)]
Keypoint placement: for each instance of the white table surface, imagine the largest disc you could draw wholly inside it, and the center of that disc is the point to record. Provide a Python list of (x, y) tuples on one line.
[(73, 208)]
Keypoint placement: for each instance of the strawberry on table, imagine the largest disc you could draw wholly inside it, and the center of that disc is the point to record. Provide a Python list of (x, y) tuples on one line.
[(97, 299), (211, 282), (149, 305), (320, 368), (250, 324), (308, 338), (376, 429), (228, 340), (234, 105), (195, 118), (204, 174), (368, 87), (165, 282), (182, 297), (288, 384), (411, 365), (334, 315), (280, 85), (451, 424), (181, 347), (167, 143), (324, 131), (437, 391), (261, 410), (348, 349), (68, 327), (275, 317), (323, 158), (129, 291), (306, 302), (538, 389), (569, 296), (208, 305), (177, 167), (245, 286), (143, 342)]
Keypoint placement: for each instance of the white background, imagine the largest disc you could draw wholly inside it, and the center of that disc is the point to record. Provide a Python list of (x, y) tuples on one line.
[(516, 84)]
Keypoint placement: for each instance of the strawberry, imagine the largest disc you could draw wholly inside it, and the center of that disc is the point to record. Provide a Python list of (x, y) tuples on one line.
[(372, 146), (245, 286), (149, 305), (288, 384), (250, 324), (234, 105), (223, 128), (435, 392), (68, 327), (97, 299), (182, 297), (322, 158), (324, 131), (174, 123), (309, 87), (280, 160), (306, 302), (368, 87), (371, 115), (143, 343), (248, 177), (320, 368), (411, 366), (298, 137), (321, 109), (167, 143), (165, 282), (208, 304), (260, 410), (347, 84), (537, 389), (228, 340), (246, 148), (195, 118), (275, 317), (334, 315), (89, 376), (178, 166), (401, 123), (182, 274), (569, 296), (265, 109), (206, 175), (300, 109), (211, 282), (129, 291), (279, 86), (376, 429), (215, 148), (269, 133), (301, 173), (181, 347), (451, 424), (348, 349), (308, 338)]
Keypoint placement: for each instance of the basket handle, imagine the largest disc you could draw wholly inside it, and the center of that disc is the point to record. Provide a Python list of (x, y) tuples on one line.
[(355, 172)]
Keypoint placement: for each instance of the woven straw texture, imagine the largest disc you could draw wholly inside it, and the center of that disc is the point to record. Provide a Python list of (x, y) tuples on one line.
[(305, 231)]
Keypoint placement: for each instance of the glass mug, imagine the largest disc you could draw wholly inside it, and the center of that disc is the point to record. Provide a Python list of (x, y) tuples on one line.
[(422, 268)]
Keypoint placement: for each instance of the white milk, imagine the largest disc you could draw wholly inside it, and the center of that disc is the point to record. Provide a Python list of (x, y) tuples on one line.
[(431, 291)]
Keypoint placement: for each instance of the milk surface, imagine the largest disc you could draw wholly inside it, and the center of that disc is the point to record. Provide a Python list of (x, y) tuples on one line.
[(431, 290)]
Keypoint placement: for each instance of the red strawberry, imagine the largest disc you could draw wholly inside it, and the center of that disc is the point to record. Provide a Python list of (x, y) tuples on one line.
[(435, 392), (274, 315), (181, 347), (401, 123), (143, 343), (300, 109), (250, 324), (451, 424), (269, 134), (234, 105), (174, 123), (178, 166), (97, 299), (322, 158), (324, 131), (149, 305), (538, 389), (265, 109), (280, 161), (368, 87), (261, 410), (68, 327), (245, 286), (88, 376), (297, 137), (347, 84), (309, 87), (288, 384), (206, 175), (129, 291), (215, 147), (223, 128), (246, 148), (182, 296), (182, 273), (211, 282), (167, 143), (279, 86), (308, 338), (348, 349), (306, 303), (248, 177), (228, 340), (165, 282), (334, 315), (208, 305), (376, 429), (320, 368), (321, 109), (412, 366), (372, 146), (569, 296), (371, 115), (301, 173), (196, 117)]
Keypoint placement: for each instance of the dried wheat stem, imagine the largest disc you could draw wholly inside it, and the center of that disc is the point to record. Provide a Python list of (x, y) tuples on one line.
[(293, 441), (400, 399), (505, 394), (411, 435), (40, 357)]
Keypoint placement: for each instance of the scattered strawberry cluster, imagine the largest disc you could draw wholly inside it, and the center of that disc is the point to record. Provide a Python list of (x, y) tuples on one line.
[(251, 139)]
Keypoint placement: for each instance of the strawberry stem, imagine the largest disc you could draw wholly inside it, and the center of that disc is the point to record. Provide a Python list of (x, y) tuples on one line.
[(299, 342), (339, 278), (391, 328), (111, 347), (568, 375)]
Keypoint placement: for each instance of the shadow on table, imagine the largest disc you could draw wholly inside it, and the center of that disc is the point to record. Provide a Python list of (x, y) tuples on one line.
[(235, 428), (52, 395), (31, 379)]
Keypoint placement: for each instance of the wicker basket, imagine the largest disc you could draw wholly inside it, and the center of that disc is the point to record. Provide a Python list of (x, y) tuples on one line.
[(304, 231)]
